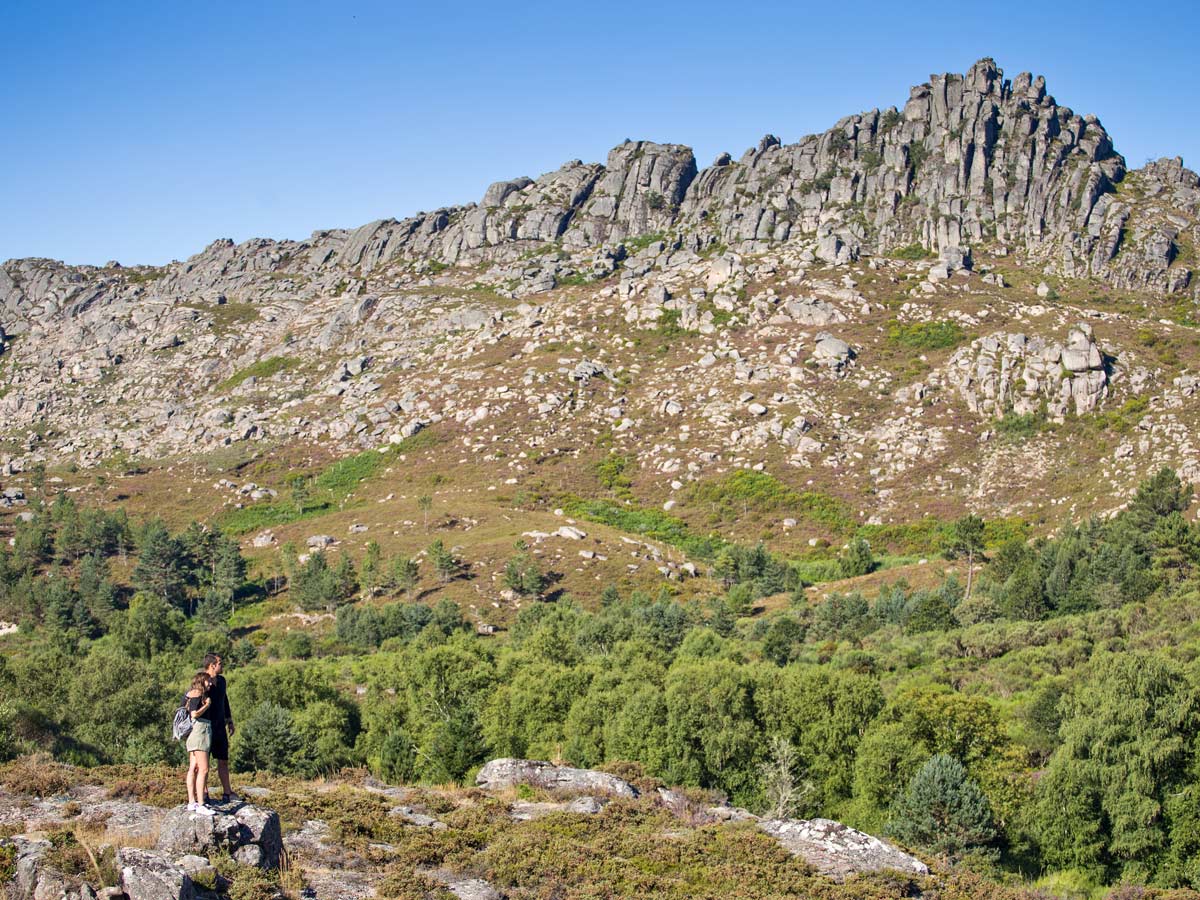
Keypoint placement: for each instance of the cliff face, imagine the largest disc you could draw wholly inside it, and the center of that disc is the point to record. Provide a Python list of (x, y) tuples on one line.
[(970, 161), (353, 337)]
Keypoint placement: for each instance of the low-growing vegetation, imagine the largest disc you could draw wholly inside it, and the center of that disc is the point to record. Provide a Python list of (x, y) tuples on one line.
[(995, 714), (264, 368), (926, 335)]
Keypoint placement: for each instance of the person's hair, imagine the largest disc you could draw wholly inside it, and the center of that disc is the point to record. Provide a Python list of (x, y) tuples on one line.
[(210, 658), (201, 681)]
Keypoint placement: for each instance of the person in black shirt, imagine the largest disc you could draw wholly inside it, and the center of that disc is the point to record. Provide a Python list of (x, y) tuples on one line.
[(198, 702), (223, 728)]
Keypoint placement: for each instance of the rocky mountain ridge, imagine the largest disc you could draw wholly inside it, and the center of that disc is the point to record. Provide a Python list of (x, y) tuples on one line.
[(750, 314)]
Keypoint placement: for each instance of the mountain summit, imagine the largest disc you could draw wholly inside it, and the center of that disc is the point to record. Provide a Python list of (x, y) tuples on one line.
[(845, 301)]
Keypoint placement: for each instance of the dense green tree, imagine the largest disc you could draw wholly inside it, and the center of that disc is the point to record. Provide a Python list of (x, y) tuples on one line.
[(150, 626), (397, 760), (842, 617), (857, 559), (160, 566), (523, 576), (404, 574), (943, 810), (824, 713), (267, 740), (782, 640), (445, 562), (1022, 596), (713, 738), (317, 585), (1128, 740), (113, 698)]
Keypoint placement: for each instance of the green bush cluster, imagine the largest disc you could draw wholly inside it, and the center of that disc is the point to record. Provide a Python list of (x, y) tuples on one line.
[(926, 335)]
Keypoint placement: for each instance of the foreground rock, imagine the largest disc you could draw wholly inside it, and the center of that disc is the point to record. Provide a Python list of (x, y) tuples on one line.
[(838, 851), (151, 875), (250, 834), (506, 773)]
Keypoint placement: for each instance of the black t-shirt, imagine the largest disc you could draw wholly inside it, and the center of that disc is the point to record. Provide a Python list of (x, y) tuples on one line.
[(194, 703), (218, 712)]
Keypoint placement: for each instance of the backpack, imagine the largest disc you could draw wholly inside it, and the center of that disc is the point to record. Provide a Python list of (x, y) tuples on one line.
[(181, 725)]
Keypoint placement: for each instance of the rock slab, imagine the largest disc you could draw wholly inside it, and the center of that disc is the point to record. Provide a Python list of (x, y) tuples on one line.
[(838, 851), (151, 875), (250, 834), (507, 772)]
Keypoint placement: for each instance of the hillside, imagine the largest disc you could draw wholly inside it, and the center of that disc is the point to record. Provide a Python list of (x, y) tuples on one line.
[(852, 460)]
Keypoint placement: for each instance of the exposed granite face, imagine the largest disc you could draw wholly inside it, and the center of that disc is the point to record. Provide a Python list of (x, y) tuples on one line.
[(969, 160), (383, 331), (839, 851), (1005, 372), (505, 773), (250, 834)]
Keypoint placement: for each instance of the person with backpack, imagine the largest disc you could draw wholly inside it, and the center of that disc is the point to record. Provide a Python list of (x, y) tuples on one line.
[(197, 702)]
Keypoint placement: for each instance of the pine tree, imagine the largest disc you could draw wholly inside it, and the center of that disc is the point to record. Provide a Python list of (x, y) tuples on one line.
[(405, 573), (445, 563), (858, 559), (228, 567), (370, 574), (966, 539), (943, 810), (268, 740), (159, 568), (522, 576)]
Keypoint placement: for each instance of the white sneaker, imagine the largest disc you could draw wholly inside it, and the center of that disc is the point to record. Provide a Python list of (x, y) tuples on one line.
[(191, 807), (202, 810)]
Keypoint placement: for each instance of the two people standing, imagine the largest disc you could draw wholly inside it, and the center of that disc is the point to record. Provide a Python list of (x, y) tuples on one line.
[(212, 725)]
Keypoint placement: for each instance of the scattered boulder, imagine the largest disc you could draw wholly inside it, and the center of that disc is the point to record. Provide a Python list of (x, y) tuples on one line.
[(151, 875), (462, 887), (508, 772), (250, 834), (838, 851), (526, 810)]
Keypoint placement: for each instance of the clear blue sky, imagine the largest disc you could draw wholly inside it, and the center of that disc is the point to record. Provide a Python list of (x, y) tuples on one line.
[(142, 131)]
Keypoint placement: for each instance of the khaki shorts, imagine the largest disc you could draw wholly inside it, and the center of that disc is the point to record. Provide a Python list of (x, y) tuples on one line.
[(200, 737)]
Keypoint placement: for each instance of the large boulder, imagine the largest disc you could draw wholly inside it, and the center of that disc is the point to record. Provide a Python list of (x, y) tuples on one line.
[(151, 875), (838, 851), (250, 834), (506, 773)]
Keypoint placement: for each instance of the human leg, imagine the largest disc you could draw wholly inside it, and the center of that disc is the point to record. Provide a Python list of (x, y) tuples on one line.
[(190, 779), (220, 753)]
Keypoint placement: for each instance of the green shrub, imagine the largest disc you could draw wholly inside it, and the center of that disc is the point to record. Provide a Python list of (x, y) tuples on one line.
[(613, 472), (642, 241), (926, 335), (264, 368), (745, 489), (649, 522), (1017, 427)]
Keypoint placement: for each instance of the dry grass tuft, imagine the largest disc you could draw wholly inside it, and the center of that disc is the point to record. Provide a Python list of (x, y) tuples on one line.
[(38, 775)]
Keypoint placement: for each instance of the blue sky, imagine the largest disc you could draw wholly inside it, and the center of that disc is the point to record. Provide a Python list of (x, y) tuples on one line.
[(142, 131)]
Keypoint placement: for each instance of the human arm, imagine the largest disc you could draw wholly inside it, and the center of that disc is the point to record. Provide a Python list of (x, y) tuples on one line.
[(228, 711), (196, 707)]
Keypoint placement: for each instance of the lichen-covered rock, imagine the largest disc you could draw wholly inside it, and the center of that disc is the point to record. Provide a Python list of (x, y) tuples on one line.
[(838, 851), (249, 833), (1003, 372), (505, 773), (152, 875)]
